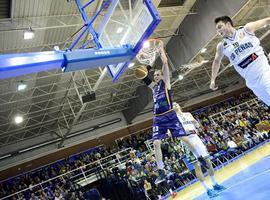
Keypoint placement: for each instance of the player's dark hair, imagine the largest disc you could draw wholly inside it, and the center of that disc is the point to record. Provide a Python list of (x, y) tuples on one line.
[(224, 19)]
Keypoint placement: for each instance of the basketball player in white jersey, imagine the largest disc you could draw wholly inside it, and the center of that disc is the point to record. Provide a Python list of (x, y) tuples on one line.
[(191, 126), (243, 49)]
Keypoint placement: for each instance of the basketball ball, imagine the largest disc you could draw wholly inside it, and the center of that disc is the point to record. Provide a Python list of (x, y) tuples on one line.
[(141, 72)]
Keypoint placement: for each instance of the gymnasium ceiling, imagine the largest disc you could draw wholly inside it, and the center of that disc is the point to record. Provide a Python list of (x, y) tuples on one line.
[(51, 103)]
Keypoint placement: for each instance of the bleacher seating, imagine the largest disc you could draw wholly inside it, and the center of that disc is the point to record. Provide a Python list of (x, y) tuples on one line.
[(232, 120)]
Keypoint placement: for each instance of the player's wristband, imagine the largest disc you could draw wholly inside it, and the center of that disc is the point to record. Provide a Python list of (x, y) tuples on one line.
[(148, 67), (147, 80)]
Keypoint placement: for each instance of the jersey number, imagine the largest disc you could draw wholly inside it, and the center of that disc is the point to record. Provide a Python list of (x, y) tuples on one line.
[(236, 44), (155, 128)]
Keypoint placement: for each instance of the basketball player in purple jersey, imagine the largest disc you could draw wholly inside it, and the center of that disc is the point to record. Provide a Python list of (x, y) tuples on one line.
[(245, 53), (165, 117)]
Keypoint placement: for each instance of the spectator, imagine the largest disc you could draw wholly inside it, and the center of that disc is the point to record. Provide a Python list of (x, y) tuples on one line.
[(211, 148), (240, 142), (231, 144), (151, 167), (149, 192)]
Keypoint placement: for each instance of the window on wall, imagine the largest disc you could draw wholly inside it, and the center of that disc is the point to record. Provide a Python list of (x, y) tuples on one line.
[(5, 9)]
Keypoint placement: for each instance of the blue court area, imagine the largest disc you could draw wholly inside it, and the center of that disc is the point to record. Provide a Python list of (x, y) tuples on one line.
[(251, 183)]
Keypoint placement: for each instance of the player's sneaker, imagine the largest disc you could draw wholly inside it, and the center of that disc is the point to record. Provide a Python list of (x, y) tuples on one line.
[(218, 188), (161, 176), (203, 162), (212, 193)]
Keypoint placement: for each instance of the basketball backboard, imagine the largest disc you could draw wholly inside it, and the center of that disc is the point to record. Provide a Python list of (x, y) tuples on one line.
[(125, 22)]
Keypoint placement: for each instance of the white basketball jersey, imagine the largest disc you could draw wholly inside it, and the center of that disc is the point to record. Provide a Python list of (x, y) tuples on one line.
[(187, 121), (241, 45)]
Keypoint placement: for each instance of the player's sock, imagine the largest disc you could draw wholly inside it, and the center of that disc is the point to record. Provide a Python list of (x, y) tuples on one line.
[(214, 182), (205, 186), (170, 191), (173, 194)]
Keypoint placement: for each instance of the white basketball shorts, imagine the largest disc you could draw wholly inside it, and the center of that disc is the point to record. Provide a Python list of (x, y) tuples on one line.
[(200, 147), (259, 80)]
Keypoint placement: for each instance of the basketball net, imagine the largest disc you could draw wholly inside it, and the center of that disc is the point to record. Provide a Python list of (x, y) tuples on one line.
[(149, 52)]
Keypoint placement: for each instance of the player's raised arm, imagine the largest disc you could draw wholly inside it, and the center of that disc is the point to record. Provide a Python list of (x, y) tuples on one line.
[(216, 66), (165, 67), (253, 26)]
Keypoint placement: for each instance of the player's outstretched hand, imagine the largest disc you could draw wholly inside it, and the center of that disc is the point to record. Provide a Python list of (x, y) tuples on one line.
[(213, 86)]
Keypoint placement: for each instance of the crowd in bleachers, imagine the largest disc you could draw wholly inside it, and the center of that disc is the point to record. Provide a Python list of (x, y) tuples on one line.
[(234, 134), (61, 188)]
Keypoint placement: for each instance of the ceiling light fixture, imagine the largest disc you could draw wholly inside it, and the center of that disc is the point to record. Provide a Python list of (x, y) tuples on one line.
[(146, 44), (203, 50), (21, 86), (18, 119), (56, 48), (29, 34), (119, 30), (180, 77), (131, 65)]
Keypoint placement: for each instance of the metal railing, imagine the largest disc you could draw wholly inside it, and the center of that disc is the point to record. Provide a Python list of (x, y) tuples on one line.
[(220, 116), (81, 176)]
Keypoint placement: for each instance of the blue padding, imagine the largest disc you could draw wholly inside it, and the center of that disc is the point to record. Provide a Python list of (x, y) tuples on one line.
[(13, 65), (188, 164), (92, 58)]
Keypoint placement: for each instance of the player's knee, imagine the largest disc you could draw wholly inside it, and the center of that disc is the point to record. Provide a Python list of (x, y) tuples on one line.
[(198, 169)]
